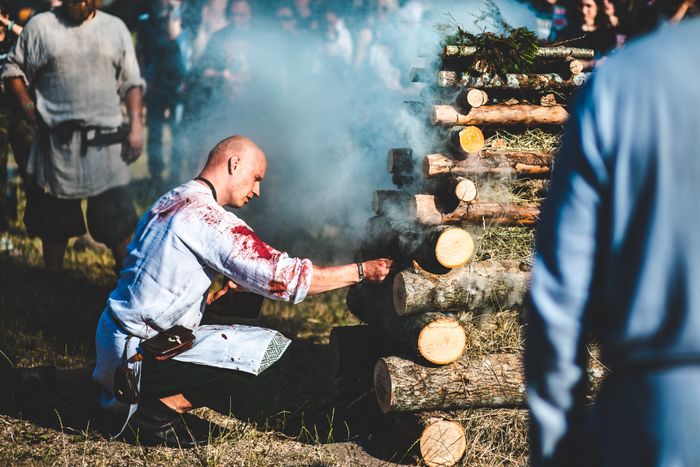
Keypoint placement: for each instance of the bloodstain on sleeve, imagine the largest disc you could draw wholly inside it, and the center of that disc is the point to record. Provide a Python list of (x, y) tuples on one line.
[(252, 242), (265, 270)]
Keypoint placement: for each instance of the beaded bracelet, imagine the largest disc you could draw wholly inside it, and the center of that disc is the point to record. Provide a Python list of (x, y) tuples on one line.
[(360, 271)]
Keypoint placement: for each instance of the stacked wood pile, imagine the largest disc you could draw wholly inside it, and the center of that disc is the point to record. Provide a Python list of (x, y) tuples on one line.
[(432, 336)]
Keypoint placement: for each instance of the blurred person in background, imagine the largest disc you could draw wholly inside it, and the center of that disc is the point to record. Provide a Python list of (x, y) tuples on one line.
[(214, 87), (212, 17), (617, 260), (307, 16), (15, 132), (225, 64), (81, 65), (589, 27), (550, 19), (164, 50), (286, 20)]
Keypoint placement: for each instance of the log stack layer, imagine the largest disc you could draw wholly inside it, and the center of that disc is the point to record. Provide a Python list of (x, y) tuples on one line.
[(418, 341)]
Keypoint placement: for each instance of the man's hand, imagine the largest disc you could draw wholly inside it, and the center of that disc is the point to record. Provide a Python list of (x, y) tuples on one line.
[(230, 286), (376, 270), (133, 146), (335, 277)]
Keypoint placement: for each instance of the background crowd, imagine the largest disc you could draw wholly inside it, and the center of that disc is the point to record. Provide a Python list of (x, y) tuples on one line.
[(317, 80)]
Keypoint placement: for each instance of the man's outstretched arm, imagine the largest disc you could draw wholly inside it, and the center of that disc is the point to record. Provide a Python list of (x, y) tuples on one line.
[(326, 279), (337, 277)]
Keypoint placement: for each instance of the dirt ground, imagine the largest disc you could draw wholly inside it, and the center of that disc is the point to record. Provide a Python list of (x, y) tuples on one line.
[(50, 319)]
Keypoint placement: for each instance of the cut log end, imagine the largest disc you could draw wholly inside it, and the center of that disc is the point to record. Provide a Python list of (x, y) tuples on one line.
[(454, 247), (442, 341), (442, 443), (471, 139), (466, 191), (477, 97), (382, 385)]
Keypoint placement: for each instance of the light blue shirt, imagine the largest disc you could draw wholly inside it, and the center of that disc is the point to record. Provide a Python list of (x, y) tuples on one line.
[(618, 244)]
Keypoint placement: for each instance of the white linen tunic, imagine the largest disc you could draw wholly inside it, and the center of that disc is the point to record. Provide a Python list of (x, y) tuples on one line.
[(78, 74), (183, 242)]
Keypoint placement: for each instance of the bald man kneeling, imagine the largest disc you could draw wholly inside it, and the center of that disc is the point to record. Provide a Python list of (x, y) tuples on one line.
[(184, 241)]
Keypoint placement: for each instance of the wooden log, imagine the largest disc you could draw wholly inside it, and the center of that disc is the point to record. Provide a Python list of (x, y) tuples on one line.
[(437, 249), (442, 442), (473, 381), (512, 81), (522, 114), (465, 190), (558, 52), (391, 203), (548, 100), (452, 247), (466, 139), (401, 166), (476, 97), (490, 162), (481, 287), (483, 212), (424, 210), (438, 338)]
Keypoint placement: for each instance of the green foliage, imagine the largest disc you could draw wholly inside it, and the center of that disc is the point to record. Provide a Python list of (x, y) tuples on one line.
[(505, 50)]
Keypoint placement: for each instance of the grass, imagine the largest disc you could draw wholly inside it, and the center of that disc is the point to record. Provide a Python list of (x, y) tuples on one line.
[(50, 319)]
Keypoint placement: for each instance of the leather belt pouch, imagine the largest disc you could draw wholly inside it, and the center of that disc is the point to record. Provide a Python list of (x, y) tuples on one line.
[(168, 343), (126, 387)]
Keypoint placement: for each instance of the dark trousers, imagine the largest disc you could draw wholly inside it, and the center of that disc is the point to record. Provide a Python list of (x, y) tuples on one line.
[(243, 395)]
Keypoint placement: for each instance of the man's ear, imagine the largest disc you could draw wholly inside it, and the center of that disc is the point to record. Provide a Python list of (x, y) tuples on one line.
[(232, 164)]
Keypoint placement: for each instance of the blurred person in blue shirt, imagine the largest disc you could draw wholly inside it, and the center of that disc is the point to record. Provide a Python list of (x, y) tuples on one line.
[(617, 258)]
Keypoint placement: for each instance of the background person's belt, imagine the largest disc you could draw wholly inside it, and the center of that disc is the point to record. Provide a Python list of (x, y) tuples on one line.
[(90, 135)]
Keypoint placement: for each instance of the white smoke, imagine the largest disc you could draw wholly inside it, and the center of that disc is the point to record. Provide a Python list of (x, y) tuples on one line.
[(326, 127)]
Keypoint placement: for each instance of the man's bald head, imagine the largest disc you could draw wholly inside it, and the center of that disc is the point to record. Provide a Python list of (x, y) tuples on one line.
[(236, 166), (244, 148)]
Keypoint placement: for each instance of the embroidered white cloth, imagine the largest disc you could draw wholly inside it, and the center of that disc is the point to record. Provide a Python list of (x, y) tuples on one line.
[(182, 243)]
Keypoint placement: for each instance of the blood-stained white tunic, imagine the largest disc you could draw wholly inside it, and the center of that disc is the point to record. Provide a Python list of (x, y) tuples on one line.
[(180, 245)]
